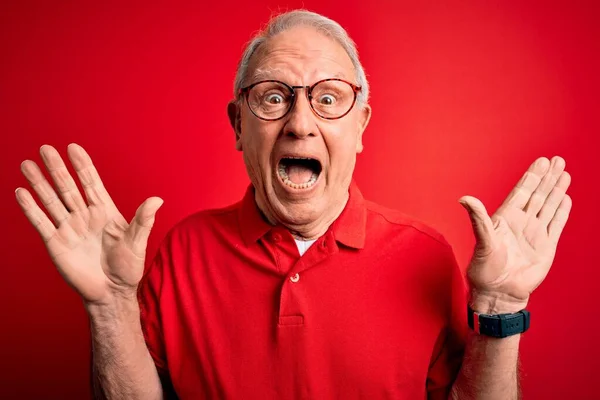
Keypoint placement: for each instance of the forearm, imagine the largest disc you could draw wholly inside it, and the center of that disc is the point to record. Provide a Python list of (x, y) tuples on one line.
[(123, 367), (489, 370), (490, 365)]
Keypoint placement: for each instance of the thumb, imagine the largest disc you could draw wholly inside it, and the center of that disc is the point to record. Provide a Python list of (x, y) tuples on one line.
[(481, 221), (141, 224)]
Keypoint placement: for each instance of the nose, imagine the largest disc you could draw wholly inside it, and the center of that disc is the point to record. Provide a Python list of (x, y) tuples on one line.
[(301, 121)]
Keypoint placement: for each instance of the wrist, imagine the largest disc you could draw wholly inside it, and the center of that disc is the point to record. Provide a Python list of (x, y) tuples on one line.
[(113, 308), (495, 303)]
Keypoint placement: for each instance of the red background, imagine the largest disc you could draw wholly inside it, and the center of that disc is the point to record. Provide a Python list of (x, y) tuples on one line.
[(464, 97)]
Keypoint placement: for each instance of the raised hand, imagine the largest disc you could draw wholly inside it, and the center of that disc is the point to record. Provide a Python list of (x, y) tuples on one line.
[(516, 246), (93, 247)]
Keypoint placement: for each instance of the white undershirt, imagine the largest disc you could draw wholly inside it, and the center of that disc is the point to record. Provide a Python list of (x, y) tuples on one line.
[(303, 245)]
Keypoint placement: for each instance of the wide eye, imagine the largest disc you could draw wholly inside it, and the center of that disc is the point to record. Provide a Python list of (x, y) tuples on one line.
[(274, 98), (327, 99)]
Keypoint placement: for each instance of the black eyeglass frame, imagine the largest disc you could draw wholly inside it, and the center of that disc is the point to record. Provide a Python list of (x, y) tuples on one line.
[(246, 90)]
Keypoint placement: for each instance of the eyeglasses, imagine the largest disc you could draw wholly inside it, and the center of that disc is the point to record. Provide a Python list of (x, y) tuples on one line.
[(271, 100)]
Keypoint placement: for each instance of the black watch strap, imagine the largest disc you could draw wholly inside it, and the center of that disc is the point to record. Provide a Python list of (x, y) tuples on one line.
[(498, 325)]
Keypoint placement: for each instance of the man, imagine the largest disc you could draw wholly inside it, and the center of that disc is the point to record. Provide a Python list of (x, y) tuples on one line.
[(303, 290)]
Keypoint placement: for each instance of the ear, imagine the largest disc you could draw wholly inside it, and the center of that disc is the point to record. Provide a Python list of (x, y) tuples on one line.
[(363, 121), (235, 119)]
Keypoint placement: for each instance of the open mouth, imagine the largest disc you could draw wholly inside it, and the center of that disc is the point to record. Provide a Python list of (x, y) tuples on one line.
[(299, 172)]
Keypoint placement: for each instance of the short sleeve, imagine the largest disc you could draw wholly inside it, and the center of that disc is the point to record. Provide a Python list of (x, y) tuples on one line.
[(149, 299), (449, 348)]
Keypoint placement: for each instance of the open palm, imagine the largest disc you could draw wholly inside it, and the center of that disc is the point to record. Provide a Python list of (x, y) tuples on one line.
[(516, 246), (93, 247)]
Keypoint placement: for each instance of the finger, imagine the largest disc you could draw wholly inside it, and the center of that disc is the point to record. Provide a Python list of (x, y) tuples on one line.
[(35, 215), (553, 200), (93, 187), (141, 224), (62, 179), (538, 197), (45, 192), (558, 222), (481, 221), (521, 193)]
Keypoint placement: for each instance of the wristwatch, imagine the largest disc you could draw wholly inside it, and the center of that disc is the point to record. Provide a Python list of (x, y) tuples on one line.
[(498, 325)]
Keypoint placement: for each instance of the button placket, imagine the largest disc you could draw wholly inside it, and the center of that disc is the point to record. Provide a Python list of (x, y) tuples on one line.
[(290, 301)]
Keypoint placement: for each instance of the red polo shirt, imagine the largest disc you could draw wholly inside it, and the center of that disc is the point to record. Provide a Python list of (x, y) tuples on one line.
[(375, 309)]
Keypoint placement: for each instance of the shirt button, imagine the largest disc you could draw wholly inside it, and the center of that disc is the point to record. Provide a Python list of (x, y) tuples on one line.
[(295, 278), (276, 237)]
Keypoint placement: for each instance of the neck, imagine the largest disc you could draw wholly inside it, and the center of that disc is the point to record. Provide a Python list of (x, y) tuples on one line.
[(306, 231)]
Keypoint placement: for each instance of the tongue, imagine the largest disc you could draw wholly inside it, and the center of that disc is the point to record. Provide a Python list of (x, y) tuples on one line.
[(299, 173)]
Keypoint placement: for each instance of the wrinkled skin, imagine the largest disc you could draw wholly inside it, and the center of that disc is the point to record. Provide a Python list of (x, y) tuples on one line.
[(300, 56)]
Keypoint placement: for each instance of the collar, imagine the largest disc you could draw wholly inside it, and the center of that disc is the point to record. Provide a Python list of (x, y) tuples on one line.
[(349, 228)]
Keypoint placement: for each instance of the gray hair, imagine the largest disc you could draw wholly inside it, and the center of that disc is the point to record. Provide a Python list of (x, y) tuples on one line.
[(290, 19)]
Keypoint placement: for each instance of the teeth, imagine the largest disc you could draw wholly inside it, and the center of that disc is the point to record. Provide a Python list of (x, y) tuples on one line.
[(286, 180)]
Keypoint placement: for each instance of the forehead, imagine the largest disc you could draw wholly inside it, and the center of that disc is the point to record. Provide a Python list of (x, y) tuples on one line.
[(300, 56)]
